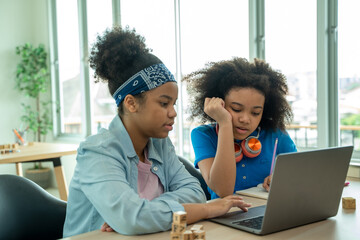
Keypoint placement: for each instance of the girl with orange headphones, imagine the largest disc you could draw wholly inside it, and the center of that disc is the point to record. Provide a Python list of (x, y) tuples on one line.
[(245, 104)]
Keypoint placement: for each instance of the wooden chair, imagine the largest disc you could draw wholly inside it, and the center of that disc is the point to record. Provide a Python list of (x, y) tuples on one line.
[(27, 211), (196, 173)]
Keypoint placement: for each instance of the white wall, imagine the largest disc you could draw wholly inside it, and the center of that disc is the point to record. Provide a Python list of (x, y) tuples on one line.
[(21, 21)]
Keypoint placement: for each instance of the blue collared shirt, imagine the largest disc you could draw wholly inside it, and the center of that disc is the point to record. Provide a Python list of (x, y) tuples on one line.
[(249, 171), (104, 185)]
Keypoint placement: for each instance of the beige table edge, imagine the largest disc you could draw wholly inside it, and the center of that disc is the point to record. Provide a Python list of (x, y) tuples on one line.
[(42, 151)]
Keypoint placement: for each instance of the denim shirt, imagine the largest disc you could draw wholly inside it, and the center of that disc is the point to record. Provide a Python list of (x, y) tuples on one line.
[(104, 185)]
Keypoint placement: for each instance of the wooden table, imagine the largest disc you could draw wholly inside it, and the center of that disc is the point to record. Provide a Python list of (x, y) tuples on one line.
[(345, 225), (43, 152)]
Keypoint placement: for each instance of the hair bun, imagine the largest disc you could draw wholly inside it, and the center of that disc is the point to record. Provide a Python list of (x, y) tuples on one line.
[(117, 51)]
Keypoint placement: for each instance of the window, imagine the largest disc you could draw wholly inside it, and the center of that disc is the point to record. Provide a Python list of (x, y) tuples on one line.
[(186, 35), (99, 17), (349, 74), (155, 21), (69, 66), (210, 31), (290, 46)]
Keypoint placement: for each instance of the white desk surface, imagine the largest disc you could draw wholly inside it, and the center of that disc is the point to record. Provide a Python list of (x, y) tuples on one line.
[(345, 226)]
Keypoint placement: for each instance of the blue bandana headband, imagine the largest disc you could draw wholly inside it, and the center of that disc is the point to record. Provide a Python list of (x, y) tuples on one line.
[(145, 80)]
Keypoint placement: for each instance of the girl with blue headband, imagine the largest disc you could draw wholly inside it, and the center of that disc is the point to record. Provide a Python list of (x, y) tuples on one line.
[(246, 110), (128, 177)]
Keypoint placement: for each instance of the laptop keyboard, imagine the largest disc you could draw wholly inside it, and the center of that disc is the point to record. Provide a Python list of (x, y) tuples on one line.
[(251, 223)]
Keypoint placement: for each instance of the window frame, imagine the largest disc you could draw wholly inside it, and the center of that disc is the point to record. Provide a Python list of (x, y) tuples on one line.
[(327, 75)]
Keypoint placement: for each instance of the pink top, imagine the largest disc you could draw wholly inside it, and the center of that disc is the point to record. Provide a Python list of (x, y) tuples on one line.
[(149, 185)]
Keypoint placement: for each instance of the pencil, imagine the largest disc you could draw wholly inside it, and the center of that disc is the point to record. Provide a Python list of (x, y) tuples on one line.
[(273, 158), (18, 135)]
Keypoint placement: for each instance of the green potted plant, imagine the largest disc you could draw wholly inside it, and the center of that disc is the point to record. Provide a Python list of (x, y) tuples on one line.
[(32, 79)]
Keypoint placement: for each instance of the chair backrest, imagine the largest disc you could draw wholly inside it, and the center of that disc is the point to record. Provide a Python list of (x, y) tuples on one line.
[(196, 173), (29, 212)]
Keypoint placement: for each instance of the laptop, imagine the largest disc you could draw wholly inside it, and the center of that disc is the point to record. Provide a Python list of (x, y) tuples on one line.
[(306, 187)]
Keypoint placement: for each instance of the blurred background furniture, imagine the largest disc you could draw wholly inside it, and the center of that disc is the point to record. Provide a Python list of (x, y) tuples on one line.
[(196, 173), (41, 151)]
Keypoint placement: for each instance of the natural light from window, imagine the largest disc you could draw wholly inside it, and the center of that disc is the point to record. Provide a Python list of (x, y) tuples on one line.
[(69, 66), (290, 45), (349, 74)]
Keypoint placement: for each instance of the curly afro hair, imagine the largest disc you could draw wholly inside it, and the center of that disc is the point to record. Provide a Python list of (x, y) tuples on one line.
[(117, 55), (218, 78)]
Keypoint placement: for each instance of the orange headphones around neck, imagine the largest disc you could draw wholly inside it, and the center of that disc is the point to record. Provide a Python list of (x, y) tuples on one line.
[(250, 146)]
